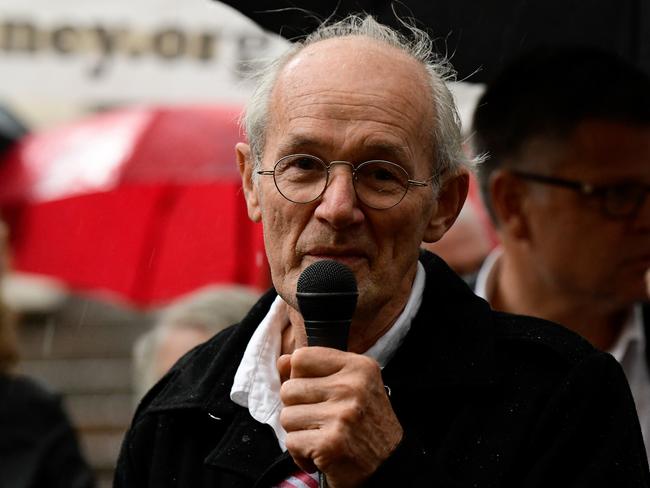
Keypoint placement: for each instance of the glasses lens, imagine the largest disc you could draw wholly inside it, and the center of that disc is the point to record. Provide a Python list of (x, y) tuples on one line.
[(300, 178), (381, 184), (623, 200)]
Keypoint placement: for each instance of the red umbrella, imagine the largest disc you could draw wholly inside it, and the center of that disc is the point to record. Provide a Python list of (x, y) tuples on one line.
[(142, 202)]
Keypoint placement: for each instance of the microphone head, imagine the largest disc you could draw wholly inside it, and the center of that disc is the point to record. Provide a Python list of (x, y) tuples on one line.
[(327, 276), (327, 297)]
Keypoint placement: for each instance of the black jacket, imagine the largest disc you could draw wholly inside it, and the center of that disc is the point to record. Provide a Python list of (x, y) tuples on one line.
[(38, 445), (486, 399)]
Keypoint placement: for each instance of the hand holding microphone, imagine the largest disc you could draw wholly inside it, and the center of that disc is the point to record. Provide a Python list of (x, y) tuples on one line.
[(336, 413)]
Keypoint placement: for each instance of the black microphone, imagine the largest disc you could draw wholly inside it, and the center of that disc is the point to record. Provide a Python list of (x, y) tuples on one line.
[(327, 296)]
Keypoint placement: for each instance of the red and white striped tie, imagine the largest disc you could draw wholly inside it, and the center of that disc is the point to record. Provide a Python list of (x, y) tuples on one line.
[(300, 479)]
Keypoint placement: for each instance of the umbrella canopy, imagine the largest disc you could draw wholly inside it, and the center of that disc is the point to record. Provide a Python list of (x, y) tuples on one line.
[(144, 203), (480, 37)]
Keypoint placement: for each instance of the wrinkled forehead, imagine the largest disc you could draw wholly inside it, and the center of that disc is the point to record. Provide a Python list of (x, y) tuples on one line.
[(355, 77), (353, 62)]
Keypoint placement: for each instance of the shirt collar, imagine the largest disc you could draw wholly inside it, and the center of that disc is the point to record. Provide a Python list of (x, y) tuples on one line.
[(631, 333), (484, 280), (257, 383)]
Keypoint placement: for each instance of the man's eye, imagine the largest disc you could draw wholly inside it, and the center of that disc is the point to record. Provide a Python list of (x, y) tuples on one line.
[(378, 173), (382, 174), (305, 164)]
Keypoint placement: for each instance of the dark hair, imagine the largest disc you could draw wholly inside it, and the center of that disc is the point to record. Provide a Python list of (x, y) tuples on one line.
[(547, 92)]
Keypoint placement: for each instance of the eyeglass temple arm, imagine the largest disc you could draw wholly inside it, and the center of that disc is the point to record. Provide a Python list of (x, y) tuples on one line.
[(585, 188), (428, 181), (419, 183)]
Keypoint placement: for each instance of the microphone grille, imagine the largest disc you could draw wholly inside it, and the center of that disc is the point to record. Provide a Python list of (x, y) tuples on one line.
[(326, 276)]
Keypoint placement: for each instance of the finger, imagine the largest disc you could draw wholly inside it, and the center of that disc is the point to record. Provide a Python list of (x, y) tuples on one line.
[(303, 417), (359, 377), (284, 367), (317, 361), (344, 416), (298, 391)]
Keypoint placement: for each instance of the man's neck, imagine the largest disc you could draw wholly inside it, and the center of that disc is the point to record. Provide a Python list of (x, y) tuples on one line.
[(371, 320), (510, 290)]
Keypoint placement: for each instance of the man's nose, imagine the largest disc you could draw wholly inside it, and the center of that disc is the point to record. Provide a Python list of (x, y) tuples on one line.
[(339, 204)]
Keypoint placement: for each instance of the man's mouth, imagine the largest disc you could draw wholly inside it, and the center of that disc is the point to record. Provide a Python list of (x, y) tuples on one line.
[(348, 256)]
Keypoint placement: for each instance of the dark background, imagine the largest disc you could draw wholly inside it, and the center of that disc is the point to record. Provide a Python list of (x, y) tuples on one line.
[(480, 36)]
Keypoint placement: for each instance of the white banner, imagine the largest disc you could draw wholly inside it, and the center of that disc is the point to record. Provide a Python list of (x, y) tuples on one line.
[(98, 53), (58, 58)]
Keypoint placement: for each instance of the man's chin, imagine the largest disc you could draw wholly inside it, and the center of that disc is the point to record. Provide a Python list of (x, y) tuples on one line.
[(354, 262)]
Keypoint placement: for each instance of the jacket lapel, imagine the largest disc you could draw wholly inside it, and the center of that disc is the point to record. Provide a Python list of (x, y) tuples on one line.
[(453, 330), (246, 447)]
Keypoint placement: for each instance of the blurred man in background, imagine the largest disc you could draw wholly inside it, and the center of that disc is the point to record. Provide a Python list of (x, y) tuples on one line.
[(566, 132)]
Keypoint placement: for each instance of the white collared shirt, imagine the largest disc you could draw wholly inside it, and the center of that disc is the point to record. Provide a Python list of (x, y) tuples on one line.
[(257, 381), (629, 349)]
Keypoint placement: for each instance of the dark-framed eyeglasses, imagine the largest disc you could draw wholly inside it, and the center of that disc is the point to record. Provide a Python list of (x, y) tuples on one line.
[(619, 201), (303, 178)]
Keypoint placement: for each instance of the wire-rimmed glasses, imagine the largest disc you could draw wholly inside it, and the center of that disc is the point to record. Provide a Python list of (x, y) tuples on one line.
[(618, 201), (303, 178)]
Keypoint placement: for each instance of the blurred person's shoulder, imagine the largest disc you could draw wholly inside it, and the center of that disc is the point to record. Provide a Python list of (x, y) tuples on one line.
[(545, 360), (191, 381), (518, 339), (21, 392), (28, 409), (555, 341)]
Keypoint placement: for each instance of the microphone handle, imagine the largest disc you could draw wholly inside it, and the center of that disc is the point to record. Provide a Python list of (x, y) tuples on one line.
[(328, 333)]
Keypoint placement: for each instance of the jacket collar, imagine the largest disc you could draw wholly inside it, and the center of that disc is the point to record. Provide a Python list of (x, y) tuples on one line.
[(453, 330)]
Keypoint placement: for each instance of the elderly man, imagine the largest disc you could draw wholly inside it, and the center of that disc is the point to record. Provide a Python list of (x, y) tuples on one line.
[(355, 155), (567, 131)]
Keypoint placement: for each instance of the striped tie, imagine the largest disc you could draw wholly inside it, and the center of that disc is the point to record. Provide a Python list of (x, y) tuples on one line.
[(300, 479)]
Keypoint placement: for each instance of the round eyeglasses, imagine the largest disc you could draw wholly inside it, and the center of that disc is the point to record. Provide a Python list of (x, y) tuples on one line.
[(302, 178)]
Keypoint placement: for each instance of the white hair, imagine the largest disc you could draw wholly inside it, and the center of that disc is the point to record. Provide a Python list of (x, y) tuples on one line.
[(209, 309), (447, 139)]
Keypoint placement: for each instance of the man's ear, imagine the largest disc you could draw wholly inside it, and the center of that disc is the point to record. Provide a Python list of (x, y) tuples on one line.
[(246, 166), (451, 199), (508, 195)]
